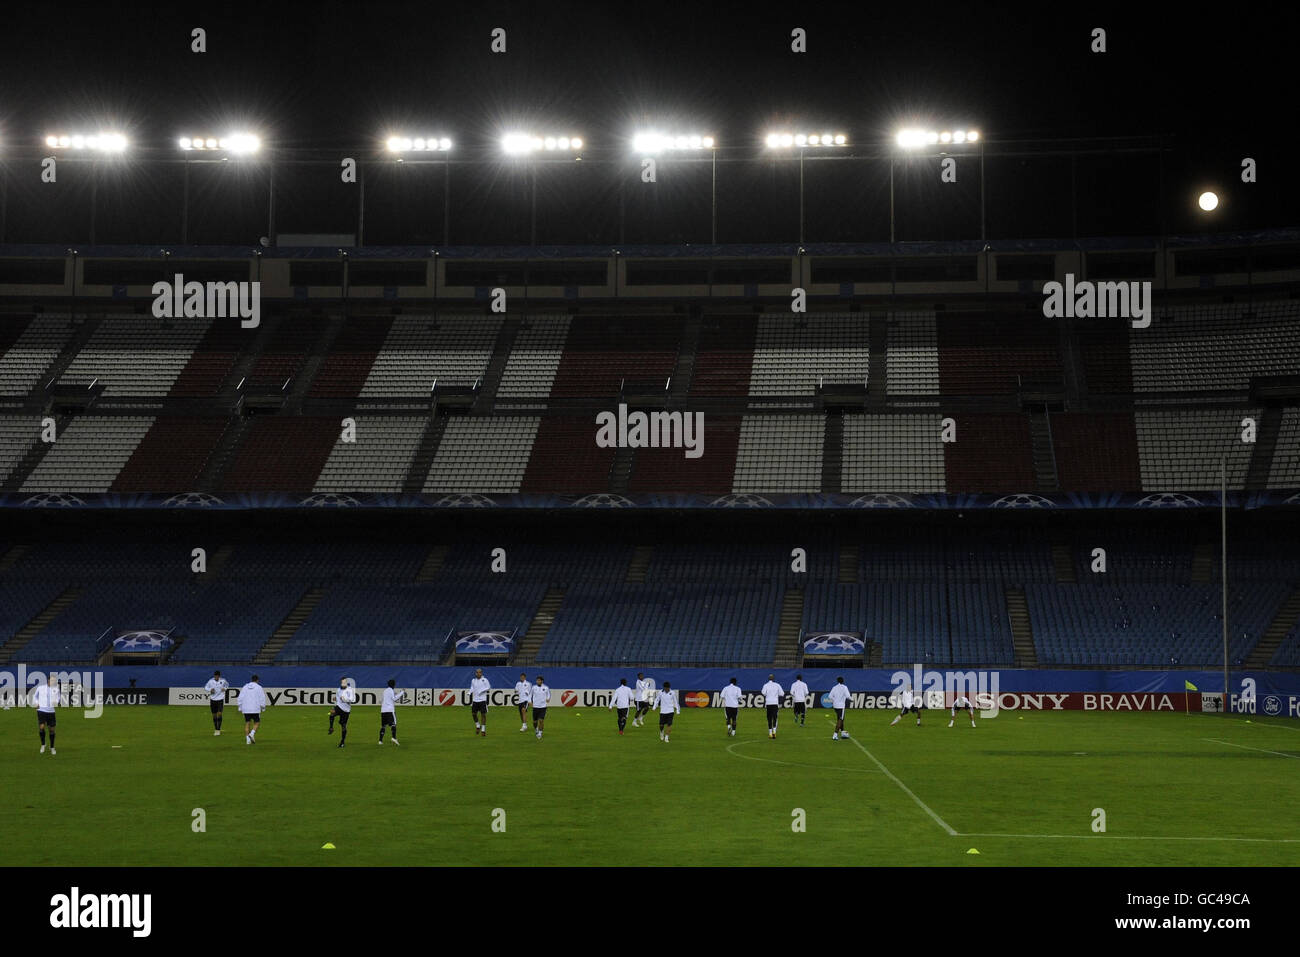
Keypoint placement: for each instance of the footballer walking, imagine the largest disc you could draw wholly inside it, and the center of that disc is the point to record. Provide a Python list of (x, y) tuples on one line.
[(799, 695), (478, 701), (730, 696), (523, 692), (541, 699), (621, 701), (252, 702), (772, 695), (344, 699), (45, 698), (216, 689), (388, 710), (839, 696), (666, 703)]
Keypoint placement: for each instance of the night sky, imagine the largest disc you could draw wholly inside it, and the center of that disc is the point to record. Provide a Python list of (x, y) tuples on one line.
[(321, 84)]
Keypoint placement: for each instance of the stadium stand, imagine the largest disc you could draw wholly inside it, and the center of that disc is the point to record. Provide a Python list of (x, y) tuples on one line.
[(171, 455), (724, 356), (793, 353), (713, 473), (912, 355), (530, 369), (778, 453), (1096, 452), (895, 453), (1182, 450), (281, 454), (346, 366), (997, 354), (419, 350), (213, 359), (89, 454), (136, 355), (601, 352), (378, 459), (32, 351), (482, 454)]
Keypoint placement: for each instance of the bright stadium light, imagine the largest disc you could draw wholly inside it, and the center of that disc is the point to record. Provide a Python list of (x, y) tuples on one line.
[(234, 143), (417, 144), (913, 138), (97, 142), (655, 142), (520, 143), (816, 140)]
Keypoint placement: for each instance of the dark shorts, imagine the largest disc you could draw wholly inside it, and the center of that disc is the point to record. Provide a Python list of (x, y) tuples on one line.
[(46, 717), (539, 714), (731, 714), (798, 707), (216, 706), (387, 718), (665, 720), (255, 718), (523, 705), (622, 713), (342, 715), (839, 713), (772, 711), (478, 707)]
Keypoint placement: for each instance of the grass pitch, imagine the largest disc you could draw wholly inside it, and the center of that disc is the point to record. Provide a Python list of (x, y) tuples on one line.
[(1021, 789)]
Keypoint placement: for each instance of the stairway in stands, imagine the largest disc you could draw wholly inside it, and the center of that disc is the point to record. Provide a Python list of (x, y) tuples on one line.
[(1044, 459), (832, 451), (1022, 633), (74, 345), (787, 636), (640, 563), (526, 653), (1261, 456), (1063, 562), (330, 329), (424, 455), (432, 563), (877, 355), (289, 627), (223, 455), (684, 370), (620, 473), (10, 649), (1282, 622), (496, 367), (848, 573)]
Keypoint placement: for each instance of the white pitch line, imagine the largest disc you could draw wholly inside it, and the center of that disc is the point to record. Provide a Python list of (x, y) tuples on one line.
[(1246, 747), (791, 764), (906, 790), (1127, 837)]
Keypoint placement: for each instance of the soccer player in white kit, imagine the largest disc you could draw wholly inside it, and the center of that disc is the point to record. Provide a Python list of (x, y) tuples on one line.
[(666, 703), (645, 693), (45, 698), (908, 702), (799, 695), (772, 695), (388, 710), (621, 700), (216, 689), (541, 700), (523, 694), (839, 696), (961, 701), (478, 701), (252, 702), (730, 696), (344, 699)]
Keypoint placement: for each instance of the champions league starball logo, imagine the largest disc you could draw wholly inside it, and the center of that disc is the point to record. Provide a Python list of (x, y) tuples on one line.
[(484, 642), (141, 641)]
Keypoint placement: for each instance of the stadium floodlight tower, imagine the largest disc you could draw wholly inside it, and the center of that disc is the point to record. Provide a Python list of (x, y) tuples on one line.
[(914, 138), (99, 145), (521, 145), (422, 148), (653, 142), (210, 149), (417, 144), (787, 140)]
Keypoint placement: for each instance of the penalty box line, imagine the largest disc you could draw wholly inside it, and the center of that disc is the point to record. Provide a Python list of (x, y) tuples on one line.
[(1247, 747)]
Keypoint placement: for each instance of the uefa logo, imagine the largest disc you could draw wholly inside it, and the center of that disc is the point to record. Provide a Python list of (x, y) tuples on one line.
[(1272, 704)]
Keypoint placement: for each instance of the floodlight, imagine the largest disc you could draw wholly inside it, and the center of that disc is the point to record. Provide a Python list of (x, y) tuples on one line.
[(99, 142), (1208, 201), (517, 143), (805, 140), (418, 144)]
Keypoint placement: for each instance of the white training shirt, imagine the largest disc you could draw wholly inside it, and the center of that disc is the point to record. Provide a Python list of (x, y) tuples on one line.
[(45, 698), (478, 688), (216, 688), (731, 696), (906, 698), (523, 691), (961, 702), (391, 697), (799, 691), (772, 693), (252, 699), (666, 702), (345, 698), (645, 689), (622, 697), (541, 696), (839, 697)]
